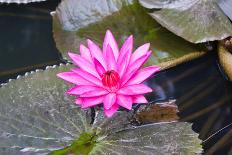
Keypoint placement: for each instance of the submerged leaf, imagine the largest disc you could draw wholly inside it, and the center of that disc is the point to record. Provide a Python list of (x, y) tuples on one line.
[(73, 25), (37, 118), (159, 112), (194, 20)]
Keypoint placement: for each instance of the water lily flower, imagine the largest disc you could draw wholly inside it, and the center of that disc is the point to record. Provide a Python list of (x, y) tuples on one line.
[(110, 76)]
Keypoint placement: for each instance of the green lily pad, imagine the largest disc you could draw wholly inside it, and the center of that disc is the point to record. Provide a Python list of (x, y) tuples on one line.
[(73, 24), (194, 20), (37, 117), (20, 1), (146, 139)]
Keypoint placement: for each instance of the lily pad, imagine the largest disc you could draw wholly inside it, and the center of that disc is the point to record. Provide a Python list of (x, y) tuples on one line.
[(73, 24), (38, 118), (20, 1), (194, 20)]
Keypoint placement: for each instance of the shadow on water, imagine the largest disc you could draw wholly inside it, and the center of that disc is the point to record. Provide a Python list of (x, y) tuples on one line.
[(203, 95)]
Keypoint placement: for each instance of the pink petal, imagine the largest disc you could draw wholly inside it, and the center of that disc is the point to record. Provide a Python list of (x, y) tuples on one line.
[(136, 89), (139, 99), (112, 110), (78, 90), (124, 101), (73, 78), (127, 77), (94, 93), (133, 68), (91, 101), (110, 40), (109, 100), (100, 69), (127, 47), (96, 52), (83, 64), (139, 62), (143, 74), (89, 77), (85, 53), (122, 66), (139, 52), (111, 62), (78, 101)]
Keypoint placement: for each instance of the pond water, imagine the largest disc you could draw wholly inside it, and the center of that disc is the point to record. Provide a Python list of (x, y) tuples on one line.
[(202, 91), (26, 41)]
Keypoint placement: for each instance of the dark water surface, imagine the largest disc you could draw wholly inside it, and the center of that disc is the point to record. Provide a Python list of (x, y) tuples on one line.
[(203, 94), (26, 41)]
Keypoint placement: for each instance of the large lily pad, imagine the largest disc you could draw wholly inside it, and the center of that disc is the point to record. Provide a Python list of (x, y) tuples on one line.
[(37, 118), (20, 1), (74, 23), (194, 20)]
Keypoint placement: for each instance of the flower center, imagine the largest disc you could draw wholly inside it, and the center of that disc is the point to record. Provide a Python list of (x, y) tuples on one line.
[(110, 79)]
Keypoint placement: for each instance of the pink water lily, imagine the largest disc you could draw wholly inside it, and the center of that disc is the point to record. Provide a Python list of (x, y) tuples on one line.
[(110, 76)]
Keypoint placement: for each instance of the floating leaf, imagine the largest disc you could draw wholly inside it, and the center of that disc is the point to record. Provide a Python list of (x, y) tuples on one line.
[(164, 138), (73, 24), (38, 118), (20, 1), (194, 20)]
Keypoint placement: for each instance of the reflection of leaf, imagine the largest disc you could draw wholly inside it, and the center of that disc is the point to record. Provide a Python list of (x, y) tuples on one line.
[(71, 28), (20, 1), (194, 20), (37, 117)]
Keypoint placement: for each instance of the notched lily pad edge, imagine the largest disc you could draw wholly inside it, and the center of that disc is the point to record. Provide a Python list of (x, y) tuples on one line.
[(20, 2), (33, 72)]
